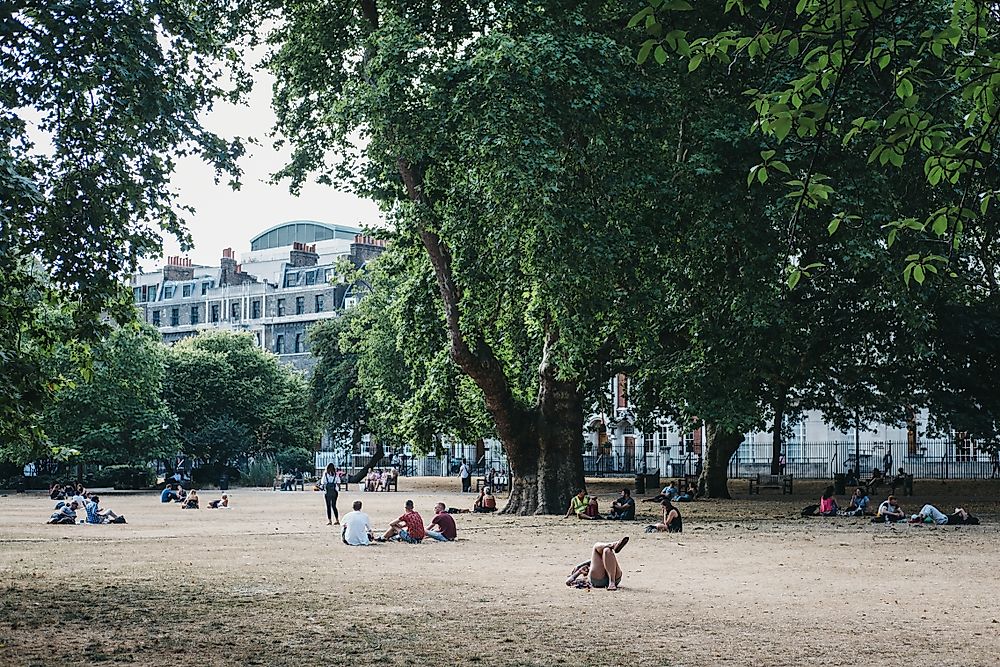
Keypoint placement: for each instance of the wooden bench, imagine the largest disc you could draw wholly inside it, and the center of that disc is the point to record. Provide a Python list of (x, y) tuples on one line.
[(392, 484), (775, 482)]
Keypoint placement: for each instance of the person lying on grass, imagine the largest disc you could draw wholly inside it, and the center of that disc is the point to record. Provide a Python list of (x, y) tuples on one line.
[(602, 570), (220, 504), (931, 514)]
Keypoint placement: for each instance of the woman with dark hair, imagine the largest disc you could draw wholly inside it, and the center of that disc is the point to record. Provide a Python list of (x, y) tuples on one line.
[(827, 503), (329, 483), (671, 520)]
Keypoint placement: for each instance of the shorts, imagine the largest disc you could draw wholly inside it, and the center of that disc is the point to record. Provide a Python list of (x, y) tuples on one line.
[(603, 582), (406, 537)]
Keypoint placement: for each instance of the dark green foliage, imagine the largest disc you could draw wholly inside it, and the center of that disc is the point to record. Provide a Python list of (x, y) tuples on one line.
[(99, 99)]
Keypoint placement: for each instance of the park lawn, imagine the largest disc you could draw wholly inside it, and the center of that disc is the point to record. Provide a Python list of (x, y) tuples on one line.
[(749, 582)]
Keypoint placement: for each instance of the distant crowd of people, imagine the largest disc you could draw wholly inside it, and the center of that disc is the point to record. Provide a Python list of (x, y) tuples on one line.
[(889, 511), (72, 498)]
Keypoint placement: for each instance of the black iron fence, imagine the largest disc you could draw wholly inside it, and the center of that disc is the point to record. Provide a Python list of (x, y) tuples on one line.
[(933, 459)]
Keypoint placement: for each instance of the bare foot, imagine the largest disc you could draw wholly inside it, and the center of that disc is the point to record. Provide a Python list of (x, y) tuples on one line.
[(620, 544), (612, 586)]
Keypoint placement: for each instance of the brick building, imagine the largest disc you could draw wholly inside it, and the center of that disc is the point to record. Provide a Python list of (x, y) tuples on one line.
[(283, 285)]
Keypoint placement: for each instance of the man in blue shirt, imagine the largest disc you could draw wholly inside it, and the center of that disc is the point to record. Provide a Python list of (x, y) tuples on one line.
[(169, 494)]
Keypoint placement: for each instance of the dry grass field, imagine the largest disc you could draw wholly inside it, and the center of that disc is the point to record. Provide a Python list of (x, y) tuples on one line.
[(749, 582)]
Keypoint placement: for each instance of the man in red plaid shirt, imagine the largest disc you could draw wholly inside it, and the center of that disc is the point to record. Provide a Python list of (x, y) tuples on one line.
[(409, 527)]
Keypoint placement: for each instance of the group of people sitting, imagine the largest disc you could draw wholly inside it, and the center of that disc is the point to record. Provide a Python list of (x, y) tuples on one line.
[(889, 511), (378, 479), (189, 500), (66, 509), (877, 479), (623, 508), (409, 527)]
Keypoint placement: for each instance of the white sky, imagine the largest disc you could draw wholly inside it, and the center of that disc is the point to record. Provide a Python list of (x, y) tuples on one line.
[(226, 218)]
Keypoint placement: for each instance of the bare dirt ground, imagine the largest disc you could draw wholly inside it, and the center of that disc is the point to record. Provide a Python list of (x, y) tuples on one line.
[(749, 582)]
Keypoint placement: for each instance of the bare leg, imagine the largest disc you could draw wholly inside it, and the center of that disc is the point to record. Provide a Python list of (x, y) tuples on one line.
[(597, 570), (614, 573), (392, 532)]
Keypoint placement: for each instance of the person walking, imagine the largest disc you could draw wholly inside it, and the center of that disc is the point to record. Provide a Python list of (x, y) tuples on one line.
[(463, 472), (887, 460), (329, 483)]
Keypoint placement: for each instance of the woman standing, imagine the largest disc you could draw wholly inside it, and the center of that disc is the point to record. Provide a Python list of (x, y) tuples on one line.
[(329, 483)]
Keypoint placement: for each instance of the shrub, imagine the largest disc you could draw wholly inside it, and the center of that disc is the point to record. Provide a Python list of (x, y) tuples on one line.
[(123, 477), (212, 473), (259, 472), (295, 459)]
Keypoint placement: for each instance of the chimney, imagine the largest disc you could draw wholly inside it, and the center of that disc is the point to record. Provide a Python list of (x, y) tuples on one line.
[(365, 248), (303, 255), (178, 268)]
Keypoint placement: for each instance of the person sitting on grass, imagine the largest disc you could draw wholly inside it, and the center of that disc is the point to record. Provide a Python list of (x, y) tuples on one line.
[(96, 515), (859, 503), (688, 494), (899, 479), (65, 514), (827, 503), (220, 504), (877, 479), (602, 570), (623, 509), (191, 501), (889, 511), (409, 527), (670, 521), (669, 492), (446, 531), (357, 530), (182, 493), (583, 506), (931, 514), (169, 494), (485, 503)]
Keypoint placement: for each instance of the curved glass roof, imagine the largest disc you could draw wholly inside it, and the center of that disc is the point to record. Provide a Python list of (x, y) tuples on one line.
[(302, 231)]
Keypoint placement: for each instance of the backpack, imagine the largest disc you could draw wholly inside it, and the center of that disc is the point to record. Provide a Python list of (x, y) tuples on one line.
[(810, 510)]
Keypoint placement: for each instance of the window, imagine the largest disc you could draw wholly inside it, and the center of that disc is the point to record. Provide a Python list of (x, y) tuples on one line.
[(281, 307), (689, 442), (168, 292), (137, 294), (279, 344), (300, 305), (187, 290), (319, 303), (311, 278), (215, 312), (255, 309), (234, 311), (156, 318), (622, 391), (175, 316), (204, 289), (194, 314), (298, 343), (663, 435)]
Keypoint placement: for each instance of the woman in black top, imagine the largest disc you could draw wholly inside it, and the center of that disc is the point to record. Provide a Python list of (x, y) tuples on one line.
[(329, 484), (671, 522)]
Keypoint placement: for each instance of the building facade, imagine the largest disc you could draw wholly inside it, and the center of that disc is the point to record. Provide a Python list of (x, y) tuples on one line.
[(286, 283)]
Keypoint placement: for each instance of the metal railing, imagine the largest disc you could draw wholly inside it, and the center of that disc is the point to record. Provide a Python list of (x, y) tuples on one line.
[(926, 459)]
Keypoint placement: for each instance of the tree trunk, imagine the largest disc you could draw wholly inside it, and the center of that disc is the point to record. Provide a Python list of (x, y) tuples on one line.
[(779, 419), (720, 446), (376, 457), (547, 465)]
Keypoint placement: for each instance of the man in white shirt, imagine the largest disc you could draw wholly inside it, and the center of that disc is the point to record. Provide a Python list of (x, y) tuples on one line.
[(463, 472), (357, 531)]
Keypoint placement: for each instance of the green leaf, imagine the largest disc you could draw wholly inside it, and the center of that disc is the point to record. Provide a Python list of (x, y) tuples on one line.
[(793, 278), (833, 226), (694, 62), (918, 273), (644, 51), (781, 126), (660, 54)]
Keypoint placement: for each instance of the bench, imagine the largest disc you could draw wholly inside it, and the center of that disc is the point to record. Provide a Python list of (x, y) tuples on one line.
[(392, 484), (776, 482), (499, 484), (298, 481)]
